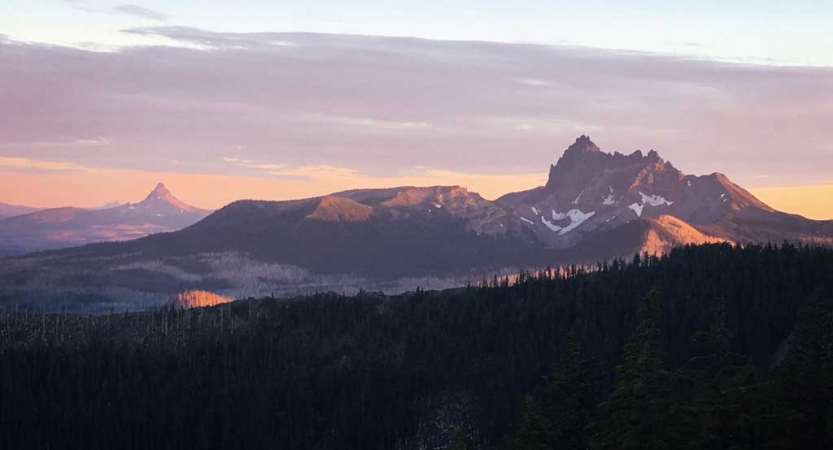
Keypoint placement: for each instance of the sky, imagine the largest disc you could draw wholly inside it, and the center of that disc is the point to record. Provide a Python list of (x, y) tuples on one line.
[(99, 100)]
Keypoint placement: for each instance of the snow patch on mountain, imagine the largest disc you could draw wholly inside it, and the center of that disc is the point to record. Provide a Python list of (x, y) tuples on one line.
[(535, 210), (575, 202), (637, 208), (654, 200), (527, 221), (577, 218), (609, 200), (555, 228)]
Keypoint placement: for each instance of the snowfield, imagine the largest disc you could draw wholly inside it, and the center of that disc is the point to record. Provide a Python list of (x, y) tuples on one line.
[(654, 200), (577, 218)]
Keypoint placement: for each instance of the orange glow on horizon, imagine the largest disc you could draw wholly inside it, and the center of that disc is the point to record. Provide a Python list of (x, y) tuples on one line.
[(813, 202), (98, 187), (209, 191)]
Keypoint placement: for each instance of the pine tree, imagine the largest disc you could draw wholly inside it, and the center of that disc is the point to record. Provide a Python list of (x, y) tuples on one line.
[(459, 441), (807, 376), (557, 414), (640, 412), (729, 406), (532, 430)]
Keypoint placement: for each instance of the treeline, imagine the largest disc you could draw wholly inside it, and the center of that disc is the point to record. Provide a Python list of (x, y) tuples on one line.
[(708, 347)]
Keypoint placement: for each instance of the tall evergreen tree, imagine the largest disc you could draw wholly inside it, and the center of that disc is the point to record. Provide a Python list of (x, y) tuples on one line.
[(728, 406), (557, 414), (640, 412), (531, 433), (807, 376)]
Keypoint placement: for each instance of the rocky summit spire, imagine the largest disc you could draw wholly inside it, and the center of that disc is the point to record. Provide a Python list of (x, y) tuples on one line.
[(583, 153), (583, 144)]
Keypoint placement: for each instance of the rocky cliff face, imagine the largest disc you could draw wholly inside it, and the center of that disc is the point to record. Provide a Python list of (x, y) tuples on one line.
[(591, 191)]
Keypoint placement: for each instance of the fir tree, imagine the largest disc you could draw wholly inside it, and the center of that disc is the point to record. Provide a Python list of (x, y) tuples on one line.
[(559, 411), (807, 375), (639, 413), (729, 406)]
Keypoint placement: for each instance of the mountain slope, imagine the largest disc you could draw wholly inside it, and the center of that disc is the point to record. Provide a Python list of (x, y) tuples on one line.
[(386, 233), (589, 190), (160, 212), (595, 206), (7, 210)]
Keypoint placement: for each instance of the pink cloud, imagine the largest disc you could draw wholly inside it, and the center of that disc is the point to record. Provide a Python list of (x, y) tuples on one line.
[(381, 106)]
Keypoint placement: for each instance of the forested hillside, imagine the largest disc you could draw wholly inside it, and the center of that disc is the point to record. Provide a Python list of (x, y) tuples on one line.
[(710, 346)]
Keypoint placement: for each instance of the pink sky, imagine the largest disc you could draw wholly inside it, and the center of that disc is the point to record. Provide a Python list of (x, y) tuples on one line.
[(277, 116)]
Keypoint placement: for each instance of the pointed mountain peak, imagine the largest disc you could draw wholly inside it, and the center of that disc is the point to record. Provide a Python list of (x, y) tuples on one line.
[(161, 189), (582, 155), (162, 197), (583, 144), (160, 192)]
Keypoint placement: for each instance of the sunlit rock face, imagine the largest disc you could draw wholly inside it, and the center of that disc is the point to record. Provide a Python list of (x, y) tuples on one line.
[(591, 191), (198, 299)]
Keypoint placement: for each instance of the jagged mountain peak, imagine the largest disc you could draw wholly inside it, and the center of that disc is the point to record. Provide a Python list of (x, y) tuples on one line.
[(585, 152), (589, 189), (583, 144), (586, 175)]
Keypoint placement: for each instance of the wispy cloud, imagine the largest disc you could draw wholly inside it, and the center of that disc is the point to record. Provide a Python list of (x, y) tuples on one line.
[(136, 11), (387, 105), (38, 165), (217, 41), (342, 178), (237, 160), (370, 123), (533, 82), (141, 12), (254, 165), (287, 170), (75, 143)]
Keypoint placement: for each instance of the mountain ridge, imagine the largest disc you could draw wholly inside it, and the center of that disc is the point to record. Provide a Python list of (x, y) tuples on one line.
[(595, 206), (11, 210)]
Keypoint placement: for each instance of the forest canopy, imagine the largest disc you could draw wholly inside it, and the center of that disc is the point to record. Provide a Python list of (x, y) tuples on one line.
[(713, 346)]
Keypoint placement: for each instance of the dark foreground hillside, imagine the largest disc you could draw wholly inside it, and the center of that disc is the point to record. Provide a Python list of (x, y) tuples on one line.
[(716, 347)]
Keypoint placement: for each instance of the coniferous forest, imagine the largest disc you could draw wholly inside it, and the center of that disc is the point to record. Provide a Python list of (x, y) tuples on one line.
[(709, 347)]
